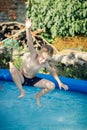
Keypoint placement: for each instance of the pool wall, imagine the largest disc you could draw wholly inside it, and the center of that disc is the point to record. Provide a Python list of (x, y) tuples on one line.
[(74, 84)]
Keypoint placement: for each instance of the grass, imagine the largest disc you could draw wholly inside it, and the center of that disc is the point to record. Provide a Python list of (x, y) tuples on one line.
[(78, 43)]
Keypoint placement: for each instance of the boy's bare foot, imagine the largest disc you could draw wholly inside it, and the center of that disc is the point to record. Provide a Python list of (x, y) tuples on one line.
[(22, 94), (38, 100)]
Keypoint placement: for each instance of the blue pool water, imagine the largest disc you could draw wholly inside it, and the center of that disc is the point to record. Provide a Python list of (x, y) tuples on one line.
[(61, 110)]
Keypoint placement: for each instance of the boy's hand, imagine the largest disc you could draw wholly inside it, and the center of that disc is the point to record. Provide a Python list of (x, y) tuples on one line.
[(28, 23), (64, 86)]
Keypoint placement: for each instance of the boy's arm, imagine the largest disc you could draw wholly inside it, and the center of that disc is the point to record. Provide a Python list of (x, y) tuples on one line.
[(29, 37), (53, 72)]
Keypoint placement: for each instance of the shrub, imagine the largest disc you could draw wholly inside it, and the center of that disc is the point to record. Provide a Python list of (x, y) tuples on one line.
[(76, 71), (59, 17), (4, 58)]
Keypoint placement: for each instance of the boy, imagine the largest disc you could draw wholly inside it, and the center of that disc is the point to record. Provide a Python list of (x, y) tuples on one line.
[(31, 65)]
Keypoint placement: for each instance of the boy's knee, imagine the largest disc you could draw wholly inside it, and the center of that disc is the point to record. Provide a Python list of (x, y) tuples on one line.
[(13, 71), (52, 86)]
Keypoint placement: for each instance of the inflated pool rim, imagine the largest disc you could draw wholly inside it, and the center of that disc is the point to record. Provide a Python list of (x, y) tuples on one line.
[(76, 85)]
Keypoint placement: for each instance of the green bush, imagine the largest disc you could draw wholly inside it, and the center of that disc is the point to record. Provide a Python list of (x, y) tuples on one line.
[(18, 62), (76, 71), (58, 17), (4, 58), (7, 53)]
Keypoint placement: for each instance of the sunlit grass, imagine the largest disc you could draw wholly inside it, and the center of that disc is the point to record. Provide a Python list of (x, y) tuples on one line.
[(79, 43)]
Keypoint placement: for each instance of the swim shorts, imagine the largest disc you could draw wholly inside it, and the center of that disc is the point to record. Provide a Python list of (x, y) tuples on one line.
[(31, 81)]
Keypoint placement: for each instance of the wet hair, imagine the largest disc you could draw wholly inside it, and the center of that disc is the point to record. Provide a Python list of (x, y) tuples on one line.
[(48, 49)]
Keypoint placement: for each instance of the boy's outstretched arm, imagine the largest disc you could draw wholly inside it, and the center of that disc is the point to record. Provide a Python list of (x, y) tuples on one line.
[(29, 37), (54, 74), (61, 85)]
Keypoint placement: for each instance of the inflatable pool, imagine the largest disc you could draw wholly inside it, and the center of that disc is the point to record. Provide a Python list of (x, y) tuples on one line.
[(74, 84), (60, 110)]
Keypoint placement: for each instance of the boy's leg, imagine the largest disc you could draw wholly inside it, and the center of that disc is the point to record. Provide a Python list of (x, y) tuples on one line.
[(17, 78), (46, 85)]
